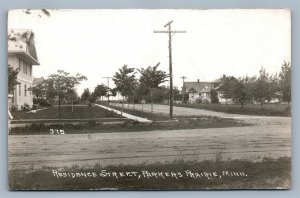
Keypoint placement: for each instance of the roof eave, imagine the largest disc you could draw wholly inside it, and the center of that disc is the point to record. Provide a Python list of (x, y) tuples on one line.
[(25, 55)]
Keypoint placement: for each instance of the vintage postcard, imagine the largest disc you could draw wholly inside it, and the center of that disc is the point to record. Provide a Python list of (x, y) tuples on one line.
[(149, 99)]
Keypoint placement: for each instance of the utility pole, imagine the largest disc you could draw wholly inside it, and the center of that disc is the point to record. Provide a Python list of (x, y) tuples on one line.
[(170, 34), (108, 88), (183, 88)]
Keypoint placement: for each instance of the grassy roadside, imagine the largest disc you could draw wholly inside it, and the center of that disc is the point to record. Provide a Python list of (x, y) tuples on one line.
[(180, 175), (251, 109), (131, 126), (161, 122)]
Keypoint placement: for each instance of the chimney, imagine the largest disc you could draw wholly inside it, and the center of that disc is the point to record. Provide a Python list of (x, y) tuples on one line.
[(198, 80)]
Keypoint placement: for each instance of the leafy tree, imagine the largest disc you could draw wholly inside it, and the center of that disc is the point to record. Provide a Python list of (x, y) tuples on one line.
[(61, 85), (38, 89), (124, 80), (100, 90), (227, 87), (274, 87), (12, 78), (239, 94), (151, 78), (141, 92), (243, 90), (177, 95), (214, 96), (85, 94), (285, 83), (261, 89), (113, 92)]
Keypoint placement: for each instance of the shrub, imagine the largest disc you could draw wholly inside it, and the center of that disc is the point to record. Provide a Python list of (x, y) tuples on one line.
[(35, 106), (25, 107), (205, 101), (199, 100), (41, 102), (13, 108)]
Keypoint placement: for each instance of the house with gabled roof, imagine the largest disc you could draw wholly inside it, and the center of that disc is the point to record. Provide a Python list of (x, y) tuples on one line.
[(201, 91), (22, 54)]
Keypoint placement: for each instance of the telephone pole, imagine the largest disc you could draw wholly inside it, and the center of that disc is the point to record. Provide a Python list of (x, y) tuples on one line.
[(108, 89), (183, 88), (170, 34)]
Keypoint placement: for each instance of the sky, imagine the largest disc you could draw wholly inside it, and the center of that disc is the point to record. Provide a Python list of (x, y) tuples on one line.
[(96, 43)]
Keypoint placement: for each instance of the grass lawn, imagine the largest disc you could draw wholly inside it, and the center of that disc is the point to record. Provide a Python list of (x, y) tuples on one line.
[(180, 175), (250, 109), (145, 114), (79, 112)]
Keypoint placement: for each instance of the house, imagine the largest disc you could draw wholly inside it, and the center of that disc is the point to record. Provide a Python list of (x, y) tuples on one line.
[(201, 91), (22, 54)]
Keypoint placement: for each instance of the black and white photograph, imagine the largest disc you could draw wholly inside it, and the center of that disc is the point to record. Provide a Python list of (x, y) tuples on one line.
[(149, 99)]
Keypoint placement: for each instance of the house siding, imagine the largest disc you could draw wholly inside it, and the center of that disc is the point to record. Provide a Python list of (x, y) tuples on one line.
[(21, 95)]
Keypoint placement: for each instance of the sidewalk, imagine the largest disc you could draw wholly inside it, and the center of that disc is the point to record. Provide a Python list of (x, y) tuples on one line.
[(139, 119)]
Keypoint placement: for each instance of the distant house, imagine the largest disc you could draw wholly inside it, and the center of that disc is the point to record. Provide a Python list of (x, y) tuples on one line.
[(201, 91), (22, 54), (38, 80)]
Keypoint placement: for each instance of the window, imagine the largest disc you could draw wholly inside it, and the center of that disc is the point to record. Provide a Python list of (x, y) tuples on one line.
[(19, 89), (25, 68), (25, 89), (20, 65)]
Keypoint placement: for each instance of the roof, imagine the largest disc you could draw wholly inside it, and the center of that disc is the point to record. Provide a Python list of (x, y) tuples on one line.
[(21, 42), (199, 87)]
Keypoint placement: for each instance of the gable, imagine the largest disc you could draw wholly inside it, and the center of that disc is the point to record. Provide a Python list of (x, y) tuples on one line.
[(198, 87), (22, 40)]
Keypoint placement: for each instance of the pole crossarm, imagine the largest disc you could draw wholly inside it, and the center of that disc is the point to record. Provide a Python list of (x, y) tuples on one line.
[(173, 31)]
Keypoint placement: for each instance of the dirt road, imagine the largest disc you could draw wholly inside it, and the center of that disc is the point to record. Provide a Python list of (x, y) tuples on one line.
[(268, 137), (254, 143)]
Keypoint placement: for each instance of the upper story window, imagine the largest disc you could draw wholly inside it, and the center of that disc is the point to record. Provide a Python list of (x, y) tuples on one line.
[(20, 65), (25, 68)]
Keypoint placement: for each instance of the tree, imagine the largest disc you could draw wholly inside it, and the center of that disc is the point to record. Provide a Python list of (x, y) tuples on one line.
[(100, 90), (12, 78), (38, 89), (177, 95), (85, 94), (61, 85), (242, 90), (261, 89), (285, 83), (141, 92), (214, 96), (124, 80), (227, 87), (151, 78), (239, 94)]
